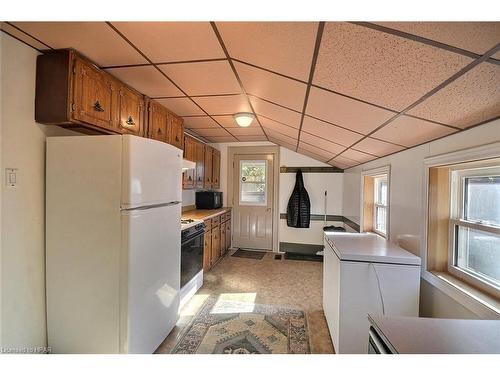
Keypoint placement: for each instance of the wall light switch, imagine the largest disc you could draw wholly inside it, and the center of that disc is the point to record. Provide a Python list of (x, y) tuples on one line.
[(11, 177)]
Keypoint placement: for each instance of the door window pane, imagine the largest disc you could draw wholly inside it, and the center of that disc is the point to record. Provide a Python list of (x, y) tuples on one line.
[(478, 252), (253, 182), (482, 199)]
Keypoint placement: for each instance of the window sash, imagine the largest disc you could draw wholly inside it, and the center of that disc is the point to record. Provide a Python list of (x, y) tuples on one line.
[(462, 273)]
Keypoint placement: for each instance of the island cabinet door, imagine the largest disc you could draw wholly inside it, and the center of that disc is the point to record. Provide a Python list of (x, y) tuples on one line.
[(207, 251), (131, 111), (331, 293), (95, 96)]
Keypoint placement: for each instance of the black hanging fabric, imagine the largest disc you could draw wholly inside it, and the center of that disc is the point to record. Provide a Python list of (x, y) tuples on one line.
[(298, 212)]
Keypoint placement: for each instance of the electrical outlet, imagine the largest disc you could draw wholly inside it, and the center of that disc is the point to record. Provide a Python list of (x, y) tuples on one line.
[(11, 177)]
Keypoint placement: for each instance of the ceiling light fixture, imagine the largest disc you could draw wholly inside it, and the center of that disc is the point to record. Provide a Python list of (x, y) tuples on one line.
[(244, 119)]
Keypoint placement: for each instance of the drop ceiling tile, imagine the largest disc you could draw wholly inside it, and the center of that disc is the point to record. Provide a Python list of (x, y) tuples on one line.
[(229, 122), (348, 113), (95, 40), (276, 112), (329, 132), (252, 138), (381, 68), (280, 128), (273, 87), (212, 132), (342, 165), (222, 139), (282, 138), (197, 122), (357, 156), (283, 143), (147, 80), (251, 130), (477, 37), (285, 47), (321, 143), (376, 147), (343, 162), (409, 131), (223, 105), (319, 154), (173, 41), (203, 78), (181, 106), (22, 36), (469, 100)]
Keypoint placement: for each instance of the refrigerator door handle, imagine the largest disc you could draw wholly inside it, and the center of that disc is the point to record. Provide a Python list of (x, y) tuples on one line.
[(148, 207)]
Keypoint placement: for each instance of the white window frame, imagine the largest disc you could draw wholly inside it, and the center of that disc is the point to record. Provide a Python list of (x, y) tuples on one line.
[(241, 203), (376, 172), (480, 304), (457, 220), (376, 205)]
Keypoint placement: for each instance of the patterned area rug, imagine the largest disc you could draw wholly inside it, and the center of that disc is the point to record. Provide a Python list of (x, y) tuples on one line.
[(233, 327)]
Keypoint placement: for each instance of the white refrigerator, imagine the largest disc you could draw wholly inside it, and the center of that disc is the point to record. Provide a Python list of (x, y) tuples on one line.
[(113, 208)]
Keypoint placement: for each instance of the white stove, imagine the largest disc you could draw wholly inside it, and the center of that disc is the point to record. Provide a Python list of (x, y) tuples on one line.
[(188, 223)]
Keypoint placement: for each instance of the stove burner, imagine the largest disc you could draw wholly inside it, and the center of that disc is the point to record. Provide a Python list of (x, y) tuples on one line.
[(187, 221)]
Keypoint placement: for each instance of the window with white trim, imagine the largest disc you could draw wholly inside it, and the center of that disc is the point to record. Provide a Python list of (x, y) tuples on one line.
[(375, 201), (380, 205), (474, 227)]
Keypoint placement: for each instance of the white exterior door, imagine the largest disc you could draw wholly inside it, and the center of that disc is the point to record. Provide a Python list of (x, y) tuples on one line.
[(253, 201)]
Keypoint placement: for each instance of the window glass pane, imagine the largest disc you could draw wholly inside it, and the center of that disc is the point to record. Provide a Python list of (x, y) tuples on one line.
[(253, 182), (482, 199), (478, 252), (380, 219), (381, 191)]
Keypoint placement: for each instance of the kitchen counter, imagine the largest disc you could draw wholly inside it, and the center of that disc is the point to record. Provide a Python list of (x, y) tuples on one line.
[(368, 247), (204, 214), (409, 335)]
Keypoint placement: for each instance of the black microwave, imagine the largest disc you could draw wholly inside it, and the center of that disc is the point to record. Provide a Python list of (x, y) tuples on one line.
[(208, 200)]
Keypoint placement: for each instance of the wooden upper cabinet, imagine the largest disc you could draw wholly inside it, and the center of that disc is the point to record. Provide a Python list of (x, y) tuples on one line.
[(158, 122), (95, 96), (200, 165), (176, 131), (208, 167), (130, 111), (189, 148), (215, 169)]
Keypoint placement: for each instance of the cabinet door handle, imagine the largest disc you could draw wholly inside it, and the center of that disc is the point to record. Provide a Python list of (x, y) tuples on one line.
[(98, 107), (130, 121)]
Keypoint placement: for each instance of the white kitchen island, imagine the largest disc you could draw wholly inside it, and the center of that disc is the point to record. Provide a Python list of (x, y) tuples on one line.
[(364, 273)]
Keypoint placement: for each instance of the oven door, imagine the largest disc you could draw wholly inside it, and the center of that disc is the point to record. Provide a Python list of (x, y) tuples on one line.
[(191, 257)]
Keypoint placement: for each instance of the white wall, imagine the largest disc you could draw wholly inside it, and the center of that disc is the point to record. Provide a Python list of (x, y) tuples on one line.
[(316, 184), (406, 202), (22, 208)]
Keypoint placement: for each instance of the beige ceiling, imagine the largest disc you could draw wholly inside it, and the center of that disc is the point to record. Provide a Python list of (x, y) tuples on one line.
[(342, 93)]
